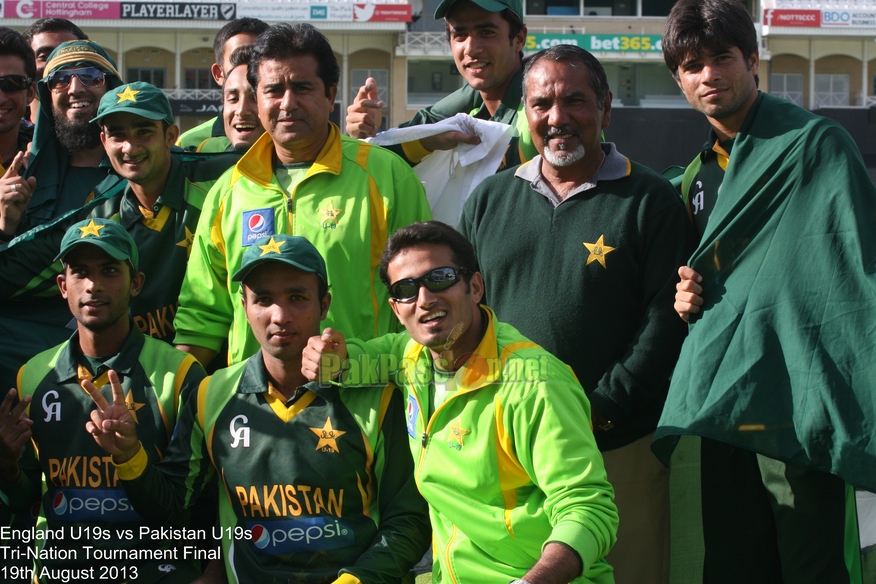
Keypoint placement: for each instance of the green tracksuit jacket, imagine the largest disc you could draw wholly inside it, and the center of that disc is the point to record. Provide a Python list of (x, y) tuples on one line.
[(71, 475), (507, 464), (323, 484), (352, 199)]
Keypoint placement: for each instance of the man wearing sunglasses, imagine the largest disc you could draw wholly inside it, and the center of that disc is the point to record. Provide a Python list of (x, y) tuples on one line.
[(17, 89), (67, 158), (499, 429)]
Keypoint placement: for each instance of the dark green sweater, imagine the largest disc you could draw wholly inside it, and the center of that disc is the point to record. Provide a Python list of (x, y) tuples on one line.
[(615, 324)]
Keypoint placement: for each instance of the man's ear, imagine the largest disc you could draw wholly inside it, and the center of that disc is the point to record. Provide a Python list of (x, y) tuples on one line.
[(476, 285), (326, 302), (62, 283), (137, 283), (218, 76)]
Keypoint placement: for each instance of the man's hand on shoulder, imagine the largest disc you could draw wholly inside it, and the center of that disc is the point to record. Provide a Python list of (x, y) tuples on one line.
[(687, 293), (322, 357), (14, 434), (111, 425), (365, 113)]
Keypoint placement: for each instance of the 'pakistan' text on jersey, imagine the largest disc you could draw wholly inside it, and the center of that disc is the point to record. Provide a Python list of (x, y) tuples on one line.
[(313, 491), (81, 489)]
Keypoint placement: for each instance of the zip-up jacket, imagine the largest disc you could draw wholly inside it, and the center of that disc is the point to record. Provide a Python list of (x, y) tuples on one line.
[(353, 197), (323, 484), (508, 463)]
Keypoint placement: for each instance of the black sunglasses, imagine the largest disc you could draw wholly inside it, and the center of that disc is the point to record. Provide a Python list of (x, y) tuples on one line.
[(435, 280), (10, 83), (88, 76)]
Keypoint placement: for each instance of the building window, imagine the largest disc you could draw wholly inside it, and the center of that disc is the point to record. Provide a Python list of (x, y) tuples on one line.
[(199, 79), (831, 90), (431, 80), (787, 86), (155, 75), (358, 77)]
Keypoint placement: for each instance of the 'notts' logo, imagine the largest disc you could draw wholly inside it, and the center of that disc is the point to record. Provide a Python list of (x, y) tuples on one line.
[(53, 409), (240, 434)]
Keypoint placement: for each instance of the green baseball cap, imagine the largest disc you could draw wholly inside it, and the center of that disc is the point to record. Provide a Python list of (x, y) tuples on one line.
[(294, 250), (515, 6), (105, 234), (138, 98)]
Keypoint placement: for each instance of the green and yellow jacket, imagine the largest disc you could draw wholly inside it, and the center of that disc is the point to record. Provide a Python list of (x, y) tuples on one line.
[(353, 197), (507, 464)]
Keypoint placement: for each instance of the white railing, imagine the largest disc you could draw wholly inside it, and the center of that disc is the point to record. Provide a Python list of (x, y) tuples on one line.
[(194, 94), (423, 43)]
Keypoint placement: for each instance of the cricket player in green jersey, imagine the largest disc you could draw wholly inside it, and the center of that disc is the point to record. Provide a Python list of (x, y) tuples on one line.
[(71, 478), (315, 482)]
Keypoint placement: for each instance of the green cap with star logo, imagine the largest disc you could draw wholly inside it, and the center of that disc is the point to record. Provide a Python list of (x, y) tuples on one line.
[(294, 250), (515, 6), (105, 234), (138, 98)]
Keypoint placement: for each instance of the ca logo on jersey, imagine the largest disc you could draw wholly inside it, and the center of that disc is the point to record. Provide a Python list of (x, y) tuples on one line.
[(696, 204), (52, 409), (256, 224), (241, 434)]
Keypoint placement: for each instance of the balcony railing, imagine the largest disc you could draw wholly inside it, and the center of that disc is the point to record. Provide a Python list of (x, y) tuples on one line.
[(194, 94)]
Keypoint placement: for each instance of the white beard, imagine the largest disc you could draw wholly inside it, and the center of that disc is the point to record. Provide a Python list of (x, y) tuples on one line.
[(561, 158)]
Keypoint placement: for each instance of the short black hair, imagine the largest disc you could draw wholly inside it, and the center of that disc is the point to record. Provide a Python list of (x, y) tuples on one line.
[(574, 56), (238, 26), (282, 41), (515, 24), (706, 27), (53, 25), (430, 233), (14, 44), (240, 56)]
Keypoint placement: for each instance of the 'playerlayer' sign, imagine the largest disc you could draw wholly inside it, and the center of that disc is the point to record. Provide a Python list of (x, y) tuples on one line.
[(179, 11)]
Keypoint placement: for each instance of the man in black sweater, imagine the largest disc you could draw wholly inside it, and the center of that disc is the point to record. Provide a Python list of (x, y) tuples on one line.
[(579, 249)]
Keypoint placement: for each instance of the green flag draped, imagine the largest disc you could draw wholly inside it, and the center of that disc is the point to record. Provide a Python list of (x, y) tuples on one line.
[(782, 360)]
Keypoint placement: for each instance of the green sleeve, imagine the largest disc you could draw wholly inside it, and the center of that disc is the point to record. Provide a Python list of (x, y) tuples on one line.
[(163, 491), (205, 313), (461, 101), (550, 429), (404, 533)]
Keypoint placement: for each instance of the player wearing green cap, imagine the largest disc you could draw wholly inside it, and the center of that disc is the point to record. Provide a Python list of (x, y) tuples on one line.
[(65, 470), (486, 38), (159, 204), (316, 478)]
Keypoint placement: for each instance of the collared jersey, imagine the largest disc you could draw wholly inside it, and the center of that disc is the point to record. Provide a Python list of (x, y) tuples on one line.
[(212, 128), (80, 487), (351, 200), (323, 484), (164, 235), (507, 462)]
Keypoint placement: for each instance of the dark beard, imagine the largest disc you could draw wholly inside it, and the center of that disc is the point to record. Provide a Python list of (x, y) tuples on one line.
[(77, 136)]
